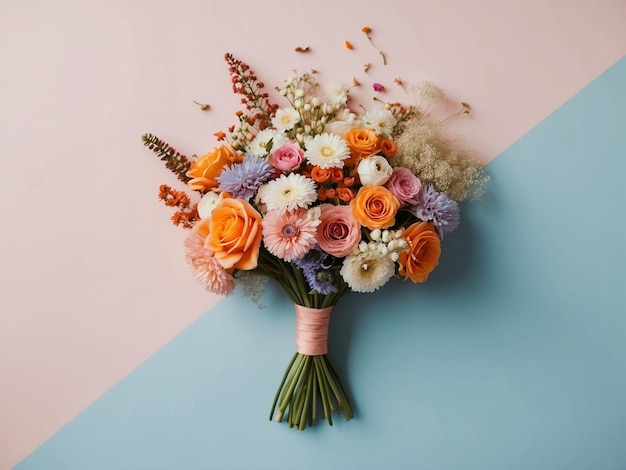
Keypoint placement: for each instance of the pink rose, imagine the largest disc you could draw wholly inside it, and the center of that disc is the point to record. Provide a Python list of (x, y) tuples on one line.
[(339, 231), (404, 185), (287, 157)]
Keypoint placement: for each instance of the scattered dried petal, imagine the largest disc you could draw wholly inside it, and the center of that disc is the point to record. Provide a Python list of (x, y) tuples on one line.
[(378, 87)]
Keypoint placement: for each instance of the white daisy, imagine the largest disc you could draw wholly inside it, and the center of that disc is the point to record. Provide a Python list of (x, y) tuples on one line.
[(266, 139), (285, 119), (382, 121), (327, 151), (368, 270), (337, 94), (288, 192)]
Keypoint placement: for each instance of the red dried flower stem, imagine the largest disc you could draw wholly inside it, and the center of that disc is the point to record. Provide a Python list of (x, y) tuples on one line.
[(246, 83)]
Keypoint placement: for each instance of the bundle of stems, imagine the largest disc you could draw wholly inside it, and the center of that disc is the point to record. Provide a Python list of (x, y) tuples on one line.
[(311, 385), (310, 381)]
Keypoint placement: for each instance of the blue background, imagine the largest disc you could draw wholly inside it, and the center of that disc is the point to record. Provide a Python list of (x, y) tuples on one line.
[(512, 356)]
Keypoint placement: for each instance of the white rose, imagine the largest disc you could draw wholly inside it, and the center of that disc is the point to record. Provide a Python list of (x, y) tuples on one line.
[(208, 203), (374, 170)]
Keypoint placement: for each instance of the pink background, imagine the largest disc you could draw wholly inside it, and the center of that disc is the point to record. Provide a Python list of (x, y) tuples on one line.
[(92, 279)]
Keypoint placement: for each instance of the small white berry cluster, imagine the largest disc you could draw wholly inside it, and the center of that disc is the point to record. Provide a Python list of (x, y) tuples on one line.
[(388, 242), (314, 114)]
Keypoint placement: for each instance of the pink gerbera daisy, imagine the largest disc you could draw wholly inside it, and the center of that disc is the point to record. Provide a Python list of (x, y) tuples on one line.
[(208, 272), (290, 235)]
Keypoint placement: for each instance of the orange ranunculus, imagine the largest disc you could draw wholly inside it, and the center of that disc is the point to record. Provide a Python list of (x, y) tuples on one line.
[(363, 143), (204, 171), (336, 175), (422, 254), (345, 194), (235, 234), (375, 207), (388, 147), (320, 175)]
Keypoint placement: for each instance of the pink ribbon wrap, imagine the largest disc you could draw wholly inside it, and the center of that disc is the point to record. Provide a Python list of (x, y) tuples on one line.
[(312, 330)]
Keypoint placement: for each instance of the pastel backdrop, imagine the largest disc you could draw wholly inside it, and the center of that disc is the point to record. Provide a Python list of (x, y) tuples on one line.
[(92, 280)]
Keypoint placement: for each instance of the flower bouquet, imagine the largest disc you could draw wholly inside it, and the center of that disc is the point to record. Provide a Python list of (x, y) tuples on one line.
[(324, 199)]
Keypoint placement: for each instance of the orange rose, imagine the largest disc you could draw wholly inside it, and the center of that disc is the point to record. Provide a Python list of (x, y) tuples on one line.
[(204, 171), (422, 255), (362, 142), (201, 227), (234, 234), (375, 207)]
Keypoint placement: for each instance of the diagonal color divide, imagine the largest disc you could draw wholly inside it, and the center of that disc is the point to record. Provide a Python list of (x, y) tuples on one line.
[(512, 356)]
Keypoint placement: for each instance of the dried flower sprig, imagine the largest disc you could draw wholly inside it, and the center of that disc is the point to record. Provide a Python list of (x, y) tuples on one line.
[(203, 106), (187, 214), (368, 34), (465, 109), (246, 83), (186, 218), (175, 161), (398, 81)]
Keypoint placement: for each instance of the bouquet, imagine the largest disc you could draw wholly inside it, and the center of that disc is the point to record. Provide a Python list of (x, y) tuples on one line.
[(324, 197)]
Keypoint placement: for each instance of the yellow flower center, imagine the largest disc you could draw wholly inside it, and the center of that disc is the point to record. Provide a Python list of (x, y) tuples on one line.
[(326, 152)]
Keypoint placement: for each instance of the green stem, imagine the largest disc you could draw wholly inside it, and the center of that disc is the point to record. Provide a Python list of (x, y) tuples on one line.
[(338, 395), (323, 390), (288, 391), (307, 401), (282, 383), (341, 383)]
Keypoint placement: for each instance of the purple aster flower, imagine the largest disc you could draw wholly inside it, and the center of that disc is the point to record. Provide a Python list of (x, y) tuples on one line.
[(438, 207), (243, 179), (316, 267), (321, 280), (314, 259)]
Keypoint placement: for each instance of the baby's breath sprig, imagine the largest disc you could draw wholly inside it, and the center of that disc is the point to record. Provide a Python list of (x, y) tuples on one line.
[(368, 34)]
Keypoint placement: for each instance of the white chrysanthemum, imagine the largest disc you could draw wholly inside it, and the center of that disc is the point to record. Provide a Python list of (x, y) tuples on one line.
[(288, 192), (327, 151), (262, 141), (342, 122), (337, 94), (367, 271), (285, 119), (381, 120)]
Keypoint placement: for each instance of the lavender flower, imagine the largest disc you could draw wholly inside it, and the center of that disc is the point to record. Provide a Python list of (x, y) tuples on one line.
[(438, 207), (243, 179)]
